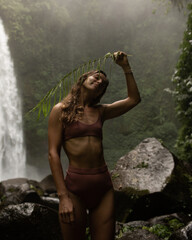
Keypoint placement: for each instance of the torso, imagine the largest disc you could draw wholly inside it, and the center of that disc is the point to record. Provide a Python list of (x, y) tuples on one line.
[(86, 151)]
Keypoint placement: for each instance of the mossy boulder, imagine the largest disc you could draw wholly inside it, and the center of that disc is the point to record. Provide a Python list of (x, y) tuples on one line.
[(150, 181), (29, 221), (162, 228), (19, 190)]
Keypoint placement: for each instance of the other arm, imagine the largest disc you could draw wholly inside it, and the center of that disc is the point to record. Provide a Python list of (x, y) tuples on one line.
[(55, 131), (120, 107)]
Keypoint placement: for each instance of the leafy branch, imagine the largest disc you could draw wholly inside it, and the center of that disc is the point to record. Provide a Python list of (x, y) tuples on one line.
[(61, 89)]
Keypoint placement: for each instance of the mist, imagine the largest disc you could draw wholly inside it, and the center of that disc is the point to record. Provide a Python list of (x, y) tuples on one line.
[(50, 38)]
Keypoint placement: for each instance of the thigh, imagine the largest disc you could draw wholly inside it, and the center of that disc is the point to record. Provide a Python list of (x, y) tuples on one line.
[(102, 218), (76, 230)]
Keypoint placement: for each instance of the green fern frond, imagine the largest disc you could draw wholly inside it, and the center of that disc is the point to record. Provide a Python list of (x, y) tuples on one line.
[(61, 89)]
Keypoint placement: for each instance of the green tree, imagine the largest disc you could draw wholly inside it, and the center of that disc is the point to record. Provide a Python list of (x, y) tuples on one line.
[(183, 92)]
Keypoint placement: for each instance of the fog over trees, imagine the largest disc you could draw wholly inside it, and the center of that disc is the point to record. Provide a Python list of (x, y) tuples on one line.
[(48, 38)]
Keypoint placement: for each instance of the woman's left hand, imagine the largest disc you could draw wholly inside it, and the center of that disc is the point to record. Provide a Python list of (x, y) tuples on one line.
[(121, 59)]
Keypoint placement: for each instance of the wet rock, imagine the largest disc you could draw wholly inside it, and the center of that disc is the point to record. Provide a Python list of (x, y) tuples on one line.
[(179, 217), (140, 234), (48, 185), (146, 168), (149, 181), (29, 221), (19, 190), (161, 227), (19, 184), (124, 228), (184, 233), (51, 202), (11, 184)]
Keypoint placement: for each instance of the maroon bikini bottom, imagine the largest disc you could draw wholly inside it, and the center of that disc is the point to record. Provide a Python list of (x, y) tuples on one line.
[(89, 184)]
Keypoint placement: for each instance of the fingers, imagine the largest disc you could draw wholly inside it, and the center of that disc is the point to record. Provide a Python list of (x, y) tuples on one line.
[(67, 217), (119, 55), (72, 217)]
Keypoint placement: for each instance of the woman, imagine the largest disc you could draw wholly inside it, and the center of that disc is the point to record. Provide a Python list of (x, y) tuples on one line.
[(76, 124)]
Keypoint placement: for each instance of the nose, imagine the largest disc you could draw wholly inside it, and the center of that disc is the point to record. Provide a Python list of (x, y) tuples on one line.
[(99, 80)]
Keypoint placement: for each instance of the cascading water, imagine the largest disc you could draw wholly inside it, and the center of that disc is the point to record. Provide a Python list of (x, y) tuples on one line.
[(12, 151)]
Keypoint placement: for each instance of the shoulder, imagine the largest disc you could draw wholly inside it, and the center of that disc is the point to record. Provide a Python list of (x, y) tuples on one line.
[(56, 112), (57, 108), (55, 126)]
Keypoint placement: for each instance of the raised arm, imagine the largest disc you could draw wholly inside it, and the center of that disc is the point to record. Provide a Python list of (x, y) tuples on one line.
[(122, 106), (55, 131)]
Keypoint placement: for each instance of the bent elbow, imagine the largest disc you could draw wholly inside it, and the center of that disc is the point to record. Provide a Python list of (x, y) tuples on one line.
[(53, 156), (136, 101), (50, 157)]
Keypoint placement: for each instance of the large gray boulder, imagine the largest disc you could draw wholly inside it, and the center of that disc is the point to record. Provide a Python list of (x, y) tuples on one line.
[(149, 181), (147, 167)]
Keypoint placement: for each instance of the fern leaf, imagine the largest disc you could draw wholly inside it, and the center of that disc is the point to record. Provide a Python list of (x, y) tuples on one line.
[(39, 113), (49, 105), (55, 95), (60, 92), (64, 84)]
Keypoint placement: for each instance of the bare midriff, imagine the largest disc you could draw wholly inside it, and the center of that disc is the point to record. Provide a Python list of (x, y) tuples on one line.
[(84, 152)]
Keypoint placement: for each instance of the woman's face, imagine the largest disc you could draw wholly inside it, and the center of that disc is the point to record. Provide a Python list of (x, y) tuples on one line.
[(96, 83)]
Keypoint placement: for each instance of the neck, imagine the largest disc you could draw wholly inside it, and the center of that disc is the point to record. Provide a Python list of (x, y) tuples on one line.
[(85, 98)]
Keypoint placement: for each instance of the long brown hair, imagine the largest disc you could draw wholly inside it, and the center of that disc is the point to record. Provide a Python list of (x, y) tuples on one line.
[(72, 110)]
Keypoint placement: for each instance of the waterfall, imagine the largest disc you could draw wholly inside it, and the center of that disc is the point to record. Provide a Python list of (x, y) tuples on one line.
[(12, 151)]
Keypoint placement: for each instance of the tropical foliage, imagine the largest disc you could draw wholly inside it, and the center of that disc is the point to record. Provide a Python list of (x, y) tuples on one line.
[(50, 38), (183, 92)]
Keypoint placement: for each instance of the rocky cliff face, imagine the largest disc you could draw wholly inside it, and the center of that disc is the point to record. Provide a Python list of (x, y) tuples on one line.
[(152, 191)]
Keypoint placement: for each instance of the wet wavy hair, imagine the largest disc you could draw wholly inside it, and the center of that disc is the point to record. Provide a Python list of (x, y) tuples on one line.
[(71, 109)]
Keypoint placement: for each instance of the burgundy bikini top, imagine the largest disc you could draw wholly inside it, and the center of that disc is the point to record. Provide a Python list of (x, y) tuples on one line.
[(79, 129)]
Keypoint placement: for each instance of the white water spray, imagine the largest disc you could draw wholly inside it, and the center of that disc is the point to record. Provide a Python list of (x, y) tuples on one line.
[(12, 151)]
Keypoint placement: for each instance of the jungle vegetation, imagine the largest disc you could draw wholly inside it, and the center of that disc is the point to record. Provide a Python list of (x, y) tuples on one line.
[(182, 93), (49, 38)]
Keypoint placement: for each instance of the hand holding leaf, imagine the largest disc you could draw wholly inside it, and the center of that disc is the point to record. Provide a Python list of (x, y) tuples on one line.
[(121, 59)]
